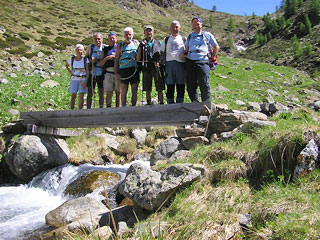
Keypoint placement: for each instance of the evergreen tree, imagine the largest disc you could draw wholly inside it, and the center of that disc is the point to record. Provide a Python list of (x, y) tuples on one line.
[(308, 25), (214, 8), (302, 28), (211, 21), (269, 36), (297, 50), (231, 26), (307, 50)]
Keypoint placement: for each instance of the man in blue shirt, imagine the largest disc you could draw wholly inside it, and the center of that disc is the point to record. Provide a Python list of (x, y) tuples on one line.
[(197, 55)]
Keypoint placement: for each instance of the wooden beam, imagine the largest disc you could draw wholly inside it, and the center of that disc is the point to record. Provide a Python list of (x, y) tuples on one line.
[(172, 114), (34, 129)]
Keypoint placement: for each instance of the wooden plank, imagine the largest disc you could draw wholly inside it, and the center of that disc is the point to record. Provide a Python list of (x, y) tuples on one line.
[(34, 129), (173, 114)]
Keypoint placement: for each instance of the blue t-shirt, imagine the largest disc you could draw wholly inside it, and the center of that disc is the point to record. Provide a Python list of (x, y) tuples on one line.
[(198, 44), (97, 53), (110, 51)]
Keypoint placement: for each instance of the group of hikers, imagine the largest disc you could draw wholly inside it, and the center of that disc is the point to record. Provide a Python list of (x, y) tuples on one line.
[(176, 63)]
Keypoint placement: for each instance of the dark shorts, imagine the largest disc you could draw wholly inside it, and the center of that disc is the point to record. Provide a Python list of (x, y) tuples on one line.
[(129, 75), (96, 80), (148, 75)]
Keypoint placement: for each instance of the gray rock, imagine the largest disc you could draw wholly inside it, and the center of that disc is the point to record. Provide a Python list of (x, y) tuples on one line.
[(317, 106), (104, 232), (165, 149), (272, 92), (149, 189), (13, 75), (31, 155), (190, 132), (253, 106), (49, 83), (240, 103), (181, 154), (4, 81), (13, 112), (2, 30), (189, 142), (85, 210), (110, 140), (307, 159), (142, 157), (276, 107), (40, 55), (249, 126), (140, 136)]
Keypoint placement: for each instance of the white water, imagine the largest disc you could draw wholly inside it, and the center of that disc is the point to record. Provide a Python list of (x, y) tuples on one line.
[(23, 208)]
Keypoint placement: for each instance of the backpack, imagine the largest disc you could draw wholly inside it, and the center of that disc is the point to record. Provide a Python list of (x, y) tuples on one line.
[(213, 60), (136, 42), (84, 61), (90, 55), (163, 56), (150, 55)]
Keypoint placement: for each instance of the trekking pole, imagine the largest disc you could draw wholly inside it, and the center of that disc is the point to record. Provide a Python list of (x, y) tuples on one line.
[(92, 89)]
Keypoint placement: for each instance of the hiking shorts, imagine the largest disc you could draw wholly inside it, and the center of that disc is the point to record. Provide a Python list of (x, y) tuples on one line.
[(175, 72), (96, 80), (75, 86), (129, 75), (110, 83), (148, 75)]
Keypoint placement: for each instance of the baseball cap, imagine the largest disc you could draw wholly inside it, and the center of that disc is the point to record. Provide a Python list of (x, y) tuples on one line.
[(148, 27), (112, 34), (197, 19)]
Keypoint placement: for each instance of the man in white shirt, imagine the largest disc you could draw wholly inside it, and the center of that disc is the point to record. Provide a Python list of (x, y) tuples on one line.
[(172, 52)]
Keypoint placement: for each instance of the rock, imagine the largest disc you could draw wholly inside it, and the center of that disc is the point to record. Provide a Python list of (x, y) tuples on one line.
[(181, 154), (189, 132), (317, 106), (269, 99), (142, 157), (14, 128), (245, 220), (13, 112), (276, 107), (2, 30), (122, 228), (249, 126), (226, 135), (4, 81), (149, 189), (49, 83), (19, 94), (24, 59), (110, 140), (221, 88), (95, 180), (240, 103), (189, 142), (104, 232), (31, 155), (120, 214), (13, 75), (307, 159), (140, 136), (253, 106), (165, 149), (40, 54), (154, 228), (272, 92), (85, 208)]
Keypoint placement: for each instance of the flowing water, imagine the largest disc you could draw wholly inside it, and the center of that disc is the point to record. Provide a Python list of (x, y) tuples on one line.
[(23, 208)]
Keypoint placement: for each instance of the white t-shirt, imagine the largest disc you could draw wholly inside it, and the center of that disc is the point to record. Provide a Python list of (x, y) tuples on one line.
[(77, 69), (175, 46)]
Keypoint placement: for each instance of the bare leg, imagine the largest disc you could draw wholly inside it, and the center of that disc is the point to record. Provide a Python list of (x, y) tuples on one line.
[(124, 91), (118, 99), (73, 100), (109, 98), (134, 91), (101, 97), (81, 95)]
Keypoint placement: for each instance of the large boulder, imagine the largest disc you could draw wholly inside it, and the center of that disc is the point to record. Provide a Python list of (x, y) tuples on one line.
[(92, 181), (150, 189), (73, 211), (31, 155)]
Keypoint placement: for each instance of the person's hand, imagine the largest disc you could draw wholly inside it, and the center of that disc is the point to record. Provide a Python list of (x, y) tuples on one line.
[(156, 64), (84, 85), (93, 60)]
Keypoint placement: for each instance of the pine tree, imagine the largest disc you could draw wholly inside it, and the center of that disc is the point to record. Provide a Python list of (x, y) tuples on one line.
[(308, 25), (307, 50), (214, 8), (231, 26), (211, 22)]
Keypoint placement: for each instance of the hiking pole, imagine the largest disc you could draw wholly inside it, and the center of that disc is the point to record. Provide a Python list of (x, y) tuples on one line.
[(92, 89)]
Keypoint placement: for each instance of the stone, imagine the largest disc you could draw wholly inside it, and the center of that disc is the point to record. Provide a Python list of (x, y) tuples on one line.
[(249, 126), (276, 107), (142, 157), (150, 189), (165, 149), (189, 132), (316, 105), (4, 81), (140, 136), (307, 159), (40, 54), (92, 181), (181, 154), (85, 208), (49, 83), (253, 106), (110, 140), (13, 112), (189, 142), (240, 103), (104, 232), (272, 92), (30, 155), (13, 75)]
